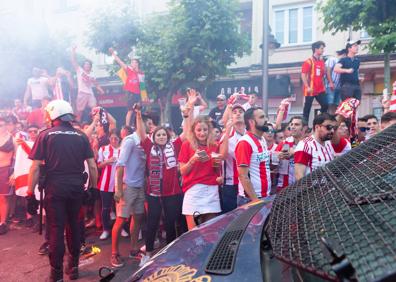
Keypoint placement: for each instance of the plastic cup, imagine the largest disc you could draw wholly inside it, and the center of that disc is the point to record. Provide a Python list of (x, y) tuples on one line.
[(215, 159)]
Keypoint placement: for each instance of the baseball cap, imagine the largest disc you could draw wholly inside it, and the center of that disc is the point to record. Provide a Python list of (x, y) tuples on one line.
[(352, 42), (341, 52), (221, 97), (235, 106)]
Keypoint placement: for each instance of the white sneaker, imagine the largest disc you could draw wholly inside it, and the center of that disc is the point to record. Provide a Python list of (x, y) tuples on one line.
[(124, 233), (105, 235), (144, 260), (112, 216), (156, 245)]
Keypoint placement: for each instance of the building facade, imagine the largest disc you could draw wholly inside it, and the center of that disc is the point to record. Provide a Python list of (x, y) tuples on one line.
[(296, 25)]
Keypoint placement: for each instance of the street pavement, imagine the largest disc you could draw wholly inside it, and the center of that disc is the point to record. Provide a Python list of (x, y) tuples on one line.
[(20, 261)]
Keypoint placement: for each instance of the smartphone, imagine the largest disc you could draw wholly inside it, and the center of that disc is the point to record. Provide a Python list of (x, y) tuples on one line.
[(285, 148), (203, 154)]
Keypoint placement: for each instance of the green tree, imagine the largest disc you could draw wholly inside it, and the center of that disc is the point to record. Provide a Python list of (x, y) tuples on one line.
[(113, 25), (377, 17), (191, 44), (196, 41)]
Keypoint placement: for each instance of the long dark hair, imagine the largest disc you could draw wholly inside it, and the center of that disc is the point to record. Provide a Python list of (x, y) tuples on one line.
[(158, 128)]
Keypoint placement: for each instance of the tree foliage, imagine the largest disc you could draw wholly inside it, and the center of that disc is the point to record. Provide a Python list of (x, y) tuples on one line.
[(193, 42), (113, 25), (377, 17), (196, 41)]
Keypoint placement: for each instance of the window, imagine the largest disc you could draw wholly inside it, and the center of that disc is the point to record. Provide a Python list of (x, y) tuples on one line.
[(294, 24), (364, 34), (307, 24), (246, 21), (279, 26)]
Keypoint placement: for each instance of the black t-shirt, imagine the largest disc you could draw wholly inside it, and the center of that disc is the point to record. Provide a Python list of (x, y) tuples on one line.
[(348, 63), (64, 150), (216, 114)]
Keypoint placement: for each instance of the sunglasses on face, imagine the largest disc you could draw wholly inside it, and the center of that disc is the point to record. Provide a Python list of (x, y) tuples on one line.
[(330, 127), (364, 129), (220, 100)]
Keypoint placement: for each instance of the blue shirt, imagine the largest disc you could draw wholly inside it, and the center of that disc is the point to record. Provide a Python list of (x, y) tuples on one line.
[(133, 159)]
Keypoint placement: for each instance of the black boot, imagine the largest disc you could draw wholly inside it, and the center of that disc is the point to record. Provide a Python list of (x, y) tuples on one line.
[(72, 268), (56, 275)]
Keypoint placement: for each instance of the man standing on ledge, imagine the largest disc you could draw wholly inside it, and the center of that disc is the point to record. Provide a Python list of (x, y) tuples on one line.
[(312, 74), (348, 67), (63, 150)]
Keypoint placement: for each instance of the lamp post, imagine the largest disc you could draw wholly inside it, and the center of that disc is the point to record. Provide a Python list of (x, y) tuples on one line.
[(269, 42)]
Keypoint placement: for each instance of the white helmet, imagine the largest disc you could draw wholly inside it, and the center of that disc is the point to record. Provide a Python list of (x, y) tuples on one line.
[(60, 109)]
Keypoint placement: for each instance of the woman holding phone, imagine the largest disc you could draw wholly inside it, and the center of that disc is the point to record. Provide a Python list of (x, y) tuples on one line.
[(199, 159)]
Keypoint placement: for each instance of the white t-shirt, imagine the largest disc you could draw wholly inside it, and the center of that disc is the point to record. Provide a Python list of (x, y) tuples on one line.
[(85, 81), (38, 87)]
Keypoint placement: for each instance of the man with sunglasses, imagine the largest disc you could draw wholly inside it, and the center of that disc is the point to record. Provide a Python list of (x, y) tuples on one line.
[(316, 150), (285, 150), (216, 113)]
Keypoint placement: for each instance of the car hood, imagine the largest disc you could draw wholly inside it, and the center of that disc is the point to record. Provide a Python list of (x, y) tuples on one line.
[(187, 256)]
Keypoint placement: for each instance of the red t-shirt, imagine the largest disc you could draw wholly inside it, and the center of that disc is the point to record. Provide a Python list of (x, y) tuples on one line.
[(201, 172), (315, 69), (132, 83), (167, 174), (36, 117)]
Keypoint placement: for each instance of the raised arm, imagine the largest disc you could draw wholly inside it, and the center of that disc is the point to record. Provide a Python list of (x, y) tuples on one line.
[(117, 59), (187, 114), (112, 121), (128, 117), (140, 128), (203, 105)]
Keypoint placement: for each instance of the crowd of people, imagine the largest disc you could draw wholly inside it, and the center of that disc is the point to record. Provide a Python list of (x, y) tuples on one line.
[(145, 180)]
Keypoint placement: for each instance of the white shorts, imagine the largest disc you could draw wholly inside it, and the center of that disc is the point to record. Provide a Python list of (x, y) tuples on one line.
[(85, 99), (201, 198)]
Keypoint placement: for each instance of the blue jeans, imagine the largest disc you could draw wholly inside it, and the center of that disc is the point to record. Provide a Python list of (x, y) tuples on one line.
[(107, 200), (333, 96), (228, 198)]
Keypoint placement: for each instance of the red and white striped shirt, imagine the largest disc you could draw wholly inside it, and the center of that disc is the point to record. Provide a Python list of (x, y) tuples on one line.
[(312, 154), (253, 153), (230, 166), (286, 167), (344, 146), (107, 178)]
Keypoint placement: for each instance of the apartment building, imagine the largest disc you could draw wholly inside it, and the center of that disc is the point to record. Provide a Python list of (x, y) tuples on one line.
[(295, 25)]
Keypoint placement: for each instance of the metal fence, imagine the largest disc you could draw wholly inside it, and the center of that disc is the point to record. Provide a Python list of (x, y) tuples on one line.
[(340, 221)]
